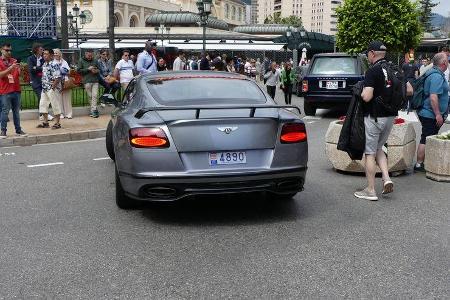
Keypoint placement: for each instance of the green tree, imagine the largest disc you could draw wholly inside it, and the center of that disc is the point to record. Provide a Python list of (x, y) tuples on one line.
[(425, 14), (395, 22), (276, 18)]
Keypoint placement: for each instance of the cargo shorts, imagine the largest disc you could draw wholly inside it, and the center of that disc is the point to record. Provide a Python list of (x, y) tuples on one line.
[(377, 132)]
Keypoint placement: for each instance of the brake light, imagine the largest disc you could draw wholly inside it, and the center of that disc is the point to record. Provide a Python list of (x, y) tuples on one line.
[(293, 133), (148, 138), (304, 86)]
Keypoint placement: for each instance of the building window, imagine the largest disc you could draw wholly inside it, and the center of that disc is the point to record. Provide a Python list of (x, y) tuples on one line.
[(233, 13), (227, 11), (239, 14), (134, 21), (117, 20), (86, 3)]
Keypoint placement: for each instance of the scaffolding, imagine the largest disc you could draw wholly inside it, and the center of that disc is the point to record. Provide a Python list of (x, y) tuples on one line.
[(28, 18)]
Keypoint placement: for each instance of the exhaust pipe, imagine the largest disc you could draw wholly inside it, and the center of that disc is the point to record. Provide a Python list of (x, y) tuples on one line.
[(160, 192)]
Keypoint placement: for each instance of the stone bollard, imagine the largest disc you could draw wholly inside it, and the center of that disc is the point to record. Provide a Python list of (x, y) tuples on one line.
[(437, 159), (401, 148)]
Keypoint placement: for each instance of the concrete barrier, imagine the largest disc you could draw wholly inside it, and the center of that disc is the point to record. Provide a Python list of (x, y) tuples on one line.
[(437, 159), (401, 149)]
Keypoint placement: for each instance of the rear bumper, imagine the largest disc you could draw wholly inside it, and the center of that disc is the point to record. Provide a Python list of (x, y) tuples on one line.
[(172, 188), (325, 99)]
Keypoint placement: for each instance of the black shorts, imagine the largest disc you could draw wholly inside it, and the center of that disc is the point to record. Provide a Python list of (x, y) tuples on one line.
[(429, 127)]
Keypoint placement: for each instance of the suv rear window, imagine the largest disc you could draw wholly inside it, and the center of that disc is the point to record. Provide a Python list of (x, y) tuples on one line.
[(334, 66), (188, 91)]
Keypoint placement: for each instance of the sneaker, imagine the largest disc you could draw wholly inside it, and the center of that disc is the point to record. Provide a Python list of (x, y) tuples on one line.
[(103, 105), (3, 135), (41, 118), (419, 167), (69, 117), (94, 114), (50, 117), (388, 187), (365, 194), (21, 133), (61, 116)]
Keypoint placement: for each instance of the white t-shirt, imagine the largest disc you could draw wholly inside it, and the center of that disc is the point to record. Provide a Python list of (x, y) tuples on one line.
[(125, 70), (178, 64)]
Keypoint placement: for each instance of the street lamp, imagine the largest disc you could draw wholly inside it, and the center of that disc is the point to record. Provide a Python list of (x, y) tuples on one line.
[(204, 10), (73, 21), (163, 30)]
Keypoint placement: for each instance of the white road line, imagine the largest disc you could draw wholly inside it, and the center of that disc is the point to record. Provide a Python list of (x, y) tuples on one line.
[(101, 158), (45, 165)]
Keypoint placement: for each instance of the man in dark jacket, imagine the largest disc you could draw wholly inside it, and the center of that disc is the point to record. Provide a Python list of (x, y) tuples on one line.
[(204, 62), (35, 62), (377, 122)]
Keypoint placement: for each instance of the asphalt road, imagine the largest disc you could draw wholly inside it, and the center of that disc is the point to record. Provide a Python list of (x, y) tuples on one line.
[(62, 236)]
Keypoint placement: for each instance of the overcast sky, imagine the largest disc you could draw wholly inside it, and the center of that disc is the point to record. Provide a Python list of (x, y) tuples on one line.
[(443, 8)]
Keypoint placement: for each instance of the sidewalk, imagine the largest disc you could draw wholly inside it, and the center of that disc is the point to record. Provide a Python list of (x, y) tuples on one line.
[(78, 128)]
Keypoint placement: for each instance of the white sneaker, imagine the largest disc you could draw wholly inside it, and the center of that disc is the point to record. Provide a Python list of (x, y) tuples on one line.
[(69, 117), (41, 118), (102, 105), (50, 117), (61, 116)]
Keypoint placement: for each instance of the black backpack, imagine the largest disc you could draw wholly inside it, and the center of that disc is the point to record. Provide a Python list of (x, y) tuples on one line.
[(393, 98)]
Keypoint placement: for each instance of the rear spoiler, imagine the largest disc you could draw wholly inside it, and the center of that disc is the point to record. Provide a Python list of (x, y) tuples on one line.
[(197, 109)]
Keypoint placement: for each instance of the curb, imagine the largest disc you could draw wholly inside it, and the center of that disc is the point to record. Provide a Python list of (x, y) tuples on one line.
[(53, 138)]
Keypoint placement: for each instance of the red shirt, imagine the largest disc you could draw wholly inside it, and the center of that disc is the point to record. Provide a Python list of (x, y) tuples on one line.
[(11, 82)]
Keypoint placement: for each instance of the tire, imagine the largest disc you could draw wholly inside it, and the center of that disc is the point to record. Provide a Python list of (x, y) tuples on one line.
[(310, 110), (122, 200), (283, 197), (109, 141)]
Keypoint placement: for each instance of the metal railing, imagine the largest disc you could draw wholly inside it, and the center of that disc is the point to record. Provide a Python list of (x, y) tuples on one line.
[(29, 99)]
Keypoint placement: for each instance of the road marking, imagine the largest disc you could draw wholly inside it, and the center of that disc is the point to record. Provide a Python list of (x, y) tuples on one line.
[(7, 154), (101, 158), (311, 118), (45, 165)]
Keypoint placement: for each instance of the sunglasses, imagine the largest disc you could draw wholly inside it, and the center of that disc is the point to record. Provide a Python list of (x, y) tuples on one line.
[(7, 50)]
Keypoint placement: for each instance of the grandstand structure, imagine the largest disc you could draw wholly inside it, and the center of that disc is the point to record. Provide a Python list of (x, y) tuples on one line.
[(28, 18)]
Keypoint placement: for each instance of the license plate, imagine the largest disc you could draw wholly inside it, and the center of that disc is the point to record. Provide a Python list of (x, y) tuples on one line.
[(332, 85), (227, 158)]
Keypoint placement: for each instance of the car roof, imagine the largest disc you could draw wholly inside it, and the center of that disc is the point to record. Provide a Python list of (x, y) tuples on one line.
[(194, 74), (336, 54)]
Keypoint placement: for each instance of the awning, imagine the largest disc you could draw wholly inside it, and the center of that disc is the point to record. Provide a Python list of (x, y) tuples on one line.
[(236, 45)]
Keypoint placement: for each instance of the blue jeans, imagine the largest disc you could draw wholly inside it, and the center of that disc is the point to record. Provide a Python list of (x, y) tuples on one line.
[(10, 101)]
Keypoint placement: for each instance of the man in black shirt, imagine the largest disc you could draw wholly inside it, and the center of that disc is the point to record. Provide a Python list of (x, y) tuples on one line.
[(377, 122)]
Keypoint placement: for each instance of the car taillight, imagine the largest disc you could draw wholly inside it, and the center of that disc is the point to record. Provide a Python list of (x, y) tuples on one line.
[(293, 133), (148, 138), (304, 86)]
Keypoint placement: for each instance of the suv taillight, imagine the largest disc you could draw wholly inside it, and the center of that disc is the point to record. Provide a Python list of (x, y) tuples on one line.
[(304, 86), (148, 138), (293, 133)]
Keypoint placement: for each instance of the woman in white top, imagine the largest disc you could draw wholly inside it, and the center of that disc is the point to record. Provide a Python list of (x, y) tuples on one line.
[(66, 99)]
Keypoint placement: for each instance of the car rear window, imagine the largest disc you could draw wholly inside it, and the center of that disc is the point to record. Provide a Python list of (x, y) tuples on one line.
[(187, 91), (334, 66)]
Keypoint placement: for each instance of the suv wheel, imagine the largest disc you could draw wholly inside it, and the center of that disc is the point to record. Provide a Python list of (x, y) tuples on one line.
[(310, 110)]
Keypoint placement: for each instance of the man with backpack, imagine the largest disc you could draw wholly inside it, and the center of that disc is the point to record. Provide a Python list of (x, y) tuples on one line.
[(378, 94), (434, 108)]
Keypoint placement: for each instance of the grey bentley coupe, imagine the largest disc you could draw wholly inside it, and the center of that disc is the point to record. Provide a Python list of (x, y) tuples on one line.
[(179, 134)]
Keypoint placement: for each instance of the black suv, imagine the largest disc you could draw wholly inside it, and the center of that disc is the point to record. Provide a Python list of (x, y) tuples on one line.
[(329, 80)]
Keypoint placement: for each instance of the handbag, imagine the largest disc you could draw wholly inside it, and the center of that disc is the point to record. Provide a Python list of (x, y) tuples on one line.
[(69, 84)]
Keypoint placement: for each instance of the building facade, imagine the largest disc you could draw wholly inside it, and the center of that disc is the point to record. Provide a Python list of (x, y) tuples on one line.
[(317, 15), (134, 13)]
